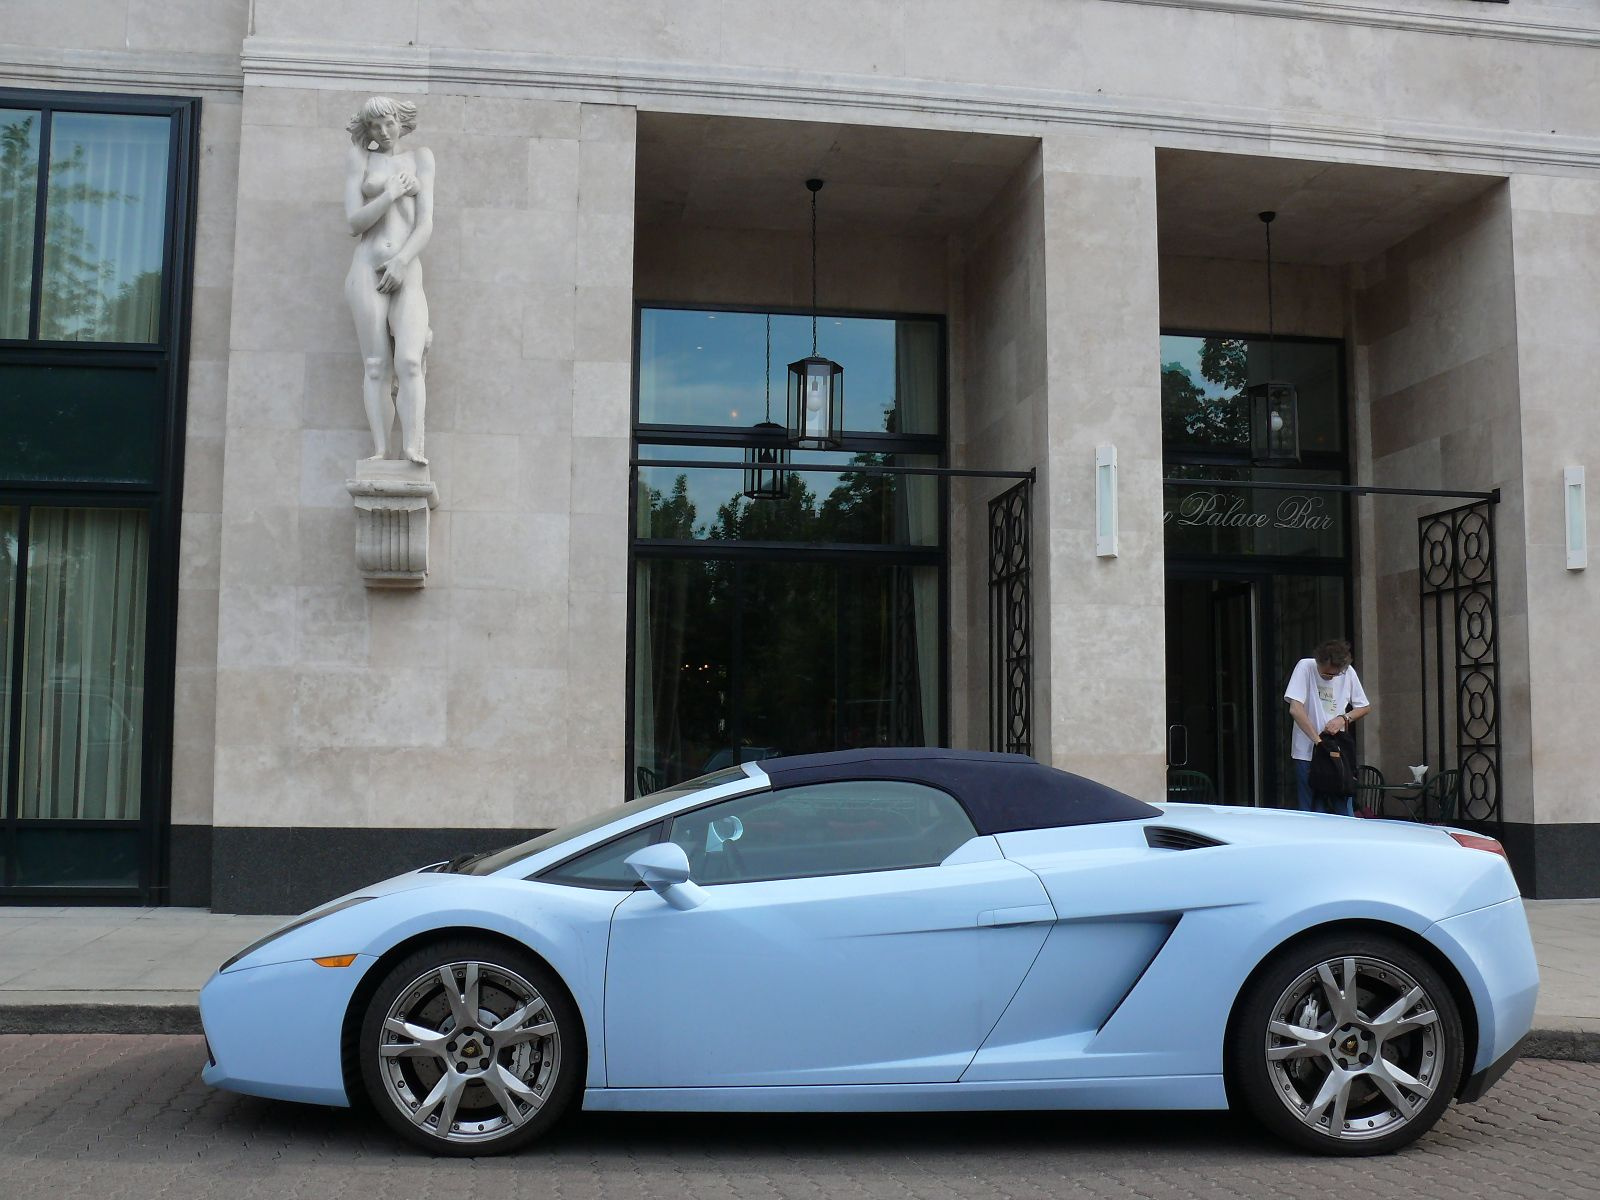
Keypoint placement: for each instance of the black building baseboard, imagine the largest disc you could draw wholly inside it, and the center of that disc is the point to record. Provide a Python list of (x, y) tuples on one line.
[(263, 870), (189, 866), (1553, 861)]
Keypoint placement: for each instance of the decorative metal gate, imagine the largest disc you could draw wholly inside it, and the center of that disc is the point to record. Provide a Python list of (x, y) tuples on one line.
[(1460, 643), (1011, 620)]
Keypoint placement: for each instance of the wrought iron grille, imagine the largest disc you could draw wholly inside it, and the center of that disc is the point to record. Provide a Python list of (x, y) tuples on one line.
[(1460, 643), (1011, 620)]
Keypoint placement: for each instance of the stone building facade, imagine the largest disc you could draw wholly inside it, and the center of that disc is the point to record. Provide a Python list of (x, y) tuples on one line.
[(1063, 191)]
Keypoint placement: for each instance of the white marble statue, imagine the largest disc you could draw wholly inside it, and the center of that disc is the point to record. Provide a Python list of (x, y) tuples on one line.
[(388, 197)]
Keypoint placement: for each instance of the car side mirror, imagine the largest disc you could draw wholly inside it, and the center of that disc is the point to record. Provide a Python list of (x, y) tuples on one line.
[(664, 869)]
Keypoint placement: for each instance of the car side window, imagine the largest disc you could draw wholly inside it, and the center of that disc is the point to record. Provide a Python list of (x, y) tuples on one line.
[(606, 865), (822, 829)]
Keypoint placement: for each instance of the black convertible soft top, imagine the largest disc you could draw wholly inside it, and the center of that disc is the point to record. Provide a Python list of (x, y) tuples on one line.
[(1002, 793)]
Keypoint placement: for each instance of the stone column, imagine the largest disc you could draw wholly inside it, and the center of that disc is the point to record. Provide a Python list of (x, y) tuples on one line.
[(1555, 233), (1104, 655), (1434, 381)]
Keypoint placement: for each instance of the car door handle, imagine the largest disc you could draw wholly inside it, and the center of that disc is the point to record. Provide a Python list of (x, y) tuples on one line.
[(1027, 914)]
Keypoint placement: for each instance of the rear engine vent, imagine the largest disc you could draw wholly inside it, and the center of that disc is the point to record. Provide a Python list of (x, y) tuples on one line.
[(1162, 837)]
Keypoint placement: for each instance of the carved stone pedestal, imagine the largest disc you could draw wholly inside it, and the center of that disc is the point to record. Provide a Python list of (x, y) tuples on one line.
[(392, 498)]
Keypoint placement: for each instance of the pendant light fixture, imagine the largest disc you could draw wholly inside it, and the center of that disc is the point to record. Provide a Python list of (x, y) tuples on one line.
[(766, 464), (816, 384), (1274, 406)]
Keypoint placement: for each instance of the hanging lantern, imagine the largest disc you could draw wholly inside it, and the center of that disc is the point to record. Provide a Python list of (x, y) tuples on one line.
[(816, 403), (766, 468), (1274, 404), (766, 462), (1274, 424), (816, 384)]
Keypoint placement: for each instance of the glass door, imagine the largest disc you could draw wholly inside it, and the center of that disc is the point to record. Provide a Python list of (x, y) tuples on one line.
[(1213, 696), (1235, 703), (74, 585)]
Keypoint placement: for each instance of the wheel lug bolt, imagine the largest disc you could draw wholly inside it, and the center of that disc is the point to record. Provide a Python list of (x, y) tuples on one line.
[(1366, 1060), (451, 1047), (461, 1066)]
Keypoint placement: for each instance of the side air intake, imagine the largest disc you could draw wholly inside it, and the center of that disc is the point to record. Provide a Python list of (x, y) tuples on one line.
[(1163, 837)]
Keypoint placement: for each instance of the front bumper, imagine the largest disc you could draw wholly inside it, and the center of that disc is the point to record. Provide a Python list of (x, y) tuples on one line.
[(275, 1030)]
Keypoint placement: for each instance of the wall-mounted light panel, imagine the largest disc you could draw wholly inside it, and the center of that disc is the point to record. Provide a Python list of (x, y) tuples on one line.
[(1577, 522), (1105, 501)]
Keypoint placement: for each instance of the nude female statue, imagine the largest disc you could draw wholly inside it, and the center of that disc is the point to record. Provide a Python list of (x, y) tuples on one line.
[(388, 198)]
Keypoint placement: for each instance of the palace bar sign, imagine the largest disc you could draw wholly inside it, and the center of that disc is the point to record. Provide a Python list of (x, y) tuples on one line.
[(1217, 520)]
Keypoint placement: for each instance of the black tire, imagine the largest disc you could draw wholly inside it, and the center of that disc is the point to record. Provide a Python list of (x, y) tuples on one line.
[(550, 1067), (1355, 1056)]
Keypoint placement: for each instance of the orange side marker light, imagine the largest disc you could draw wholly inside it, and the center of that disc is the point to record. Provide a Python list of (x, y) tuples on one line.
[(335, 960)]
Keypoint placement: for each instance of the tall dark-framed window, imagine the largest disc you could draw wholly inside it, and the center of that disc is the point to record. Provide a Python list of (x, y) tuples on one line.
[(814, 622), (97, 198), (1255, 578)]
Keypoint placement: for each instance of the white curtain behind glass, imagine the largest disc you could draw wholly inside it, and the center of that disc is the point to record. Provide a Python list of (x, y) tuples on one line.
[(105, 221), (10, 519), (916, 386), (83, 664), (19, 189)]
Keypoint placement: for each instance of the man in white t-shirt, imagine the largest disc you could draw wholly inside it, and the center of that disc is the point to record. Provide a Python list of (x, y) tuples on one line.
[(1324, 695)]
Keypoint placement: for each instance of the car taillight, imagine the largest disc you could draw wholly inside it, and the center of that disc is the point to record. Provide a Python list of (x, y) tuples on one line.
[(1473, 841)]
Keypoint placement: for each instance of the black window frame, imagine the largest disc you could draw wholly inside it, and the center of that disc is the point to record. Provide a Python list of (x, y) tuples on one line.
[(1262, 569), (1337, 461), (162, 497), (646, 437), (48, 104)]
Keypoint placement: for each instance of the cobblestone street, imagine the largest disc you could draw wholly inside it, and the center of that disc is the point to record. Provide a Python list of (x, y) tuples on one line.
[(120, 1116)]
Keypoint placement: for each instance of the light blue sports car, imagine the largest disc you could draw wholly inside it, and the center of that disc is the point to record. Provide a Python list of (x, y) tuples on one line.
[(899, 930)]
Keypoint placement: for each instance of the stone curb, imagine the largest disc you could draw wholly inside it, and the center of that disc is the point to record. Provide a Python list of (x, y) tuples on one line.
[(1572, 1045), (100, 1018)]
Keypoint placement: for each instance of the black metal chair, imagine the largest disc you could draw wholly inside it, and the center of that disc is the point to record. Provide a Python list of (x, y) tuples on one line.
[(1439, 796), (646, 780), (1369, 789), (1190, 787)]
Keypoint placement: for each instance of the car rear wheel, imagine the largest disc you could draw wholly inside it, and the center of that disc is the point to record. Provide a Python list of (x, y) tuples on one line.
[(1348, 1044), (471, 1047)]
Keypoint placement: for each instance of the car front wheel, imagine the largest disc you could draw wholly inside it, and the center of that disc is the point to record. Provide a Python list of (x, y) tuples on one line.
[(470, 1047), (1348, 1044)]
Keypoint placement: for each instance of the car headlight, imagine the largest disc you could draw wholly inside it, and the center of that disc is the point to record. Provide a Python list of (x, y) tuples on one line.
[(315, 914)]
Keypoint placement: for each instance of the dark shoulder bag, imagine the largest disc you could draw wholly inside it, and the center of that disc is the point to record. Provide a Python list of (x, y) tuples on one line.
[(1333, 765)]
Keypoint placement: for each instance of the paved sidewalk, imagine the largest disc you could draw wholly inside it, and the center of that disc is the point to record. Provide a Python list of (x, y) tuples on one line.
[(133, 970), (113, 970)]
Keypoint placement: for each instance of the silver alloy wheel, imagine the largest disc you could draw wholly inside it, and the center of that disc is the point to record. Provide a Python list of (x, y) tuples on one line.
[(469, 1051), (1354, 1048)]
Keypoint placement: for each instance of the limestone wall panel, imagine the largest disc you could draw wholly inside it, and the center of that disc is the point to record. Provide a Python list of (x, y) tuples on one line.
[(442, 706)]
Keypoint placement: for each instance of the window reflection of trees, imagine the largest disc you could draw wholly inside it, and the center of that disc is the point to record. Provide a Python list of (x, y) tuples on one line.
[(1192, 413), (799, 688), (860, 509), (81, 298)]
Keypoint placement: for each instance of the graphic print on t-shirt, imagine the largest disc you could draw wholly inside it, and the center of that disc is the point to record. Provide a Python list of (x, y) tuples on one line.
[(1325, 694)]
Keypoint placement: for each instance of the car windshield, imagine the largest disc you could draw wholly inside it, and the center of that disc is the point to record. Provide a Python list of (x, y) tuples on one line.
[(487, 864)]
